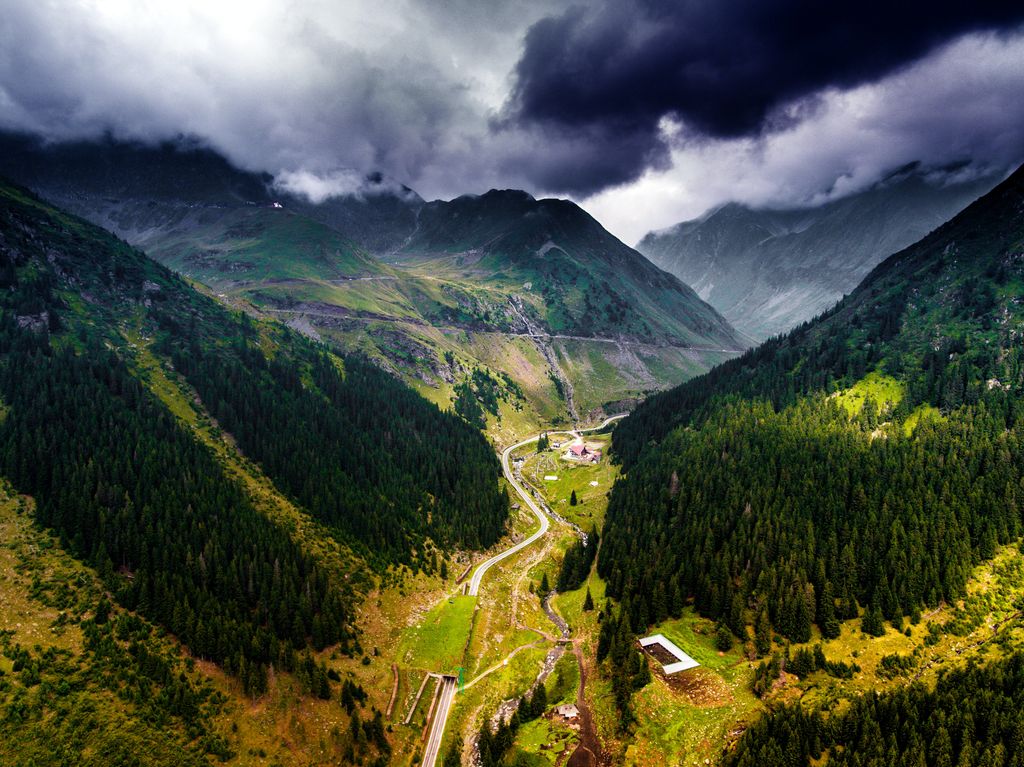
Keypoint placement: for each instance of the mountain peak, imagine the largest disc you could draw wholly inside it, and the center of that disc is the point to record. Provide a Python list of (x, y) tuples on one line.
[(517, 195)]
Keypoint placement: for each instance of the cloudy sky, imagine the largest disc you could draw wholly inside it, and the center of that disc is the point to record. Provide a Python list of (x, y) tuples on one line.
[(646, 112)]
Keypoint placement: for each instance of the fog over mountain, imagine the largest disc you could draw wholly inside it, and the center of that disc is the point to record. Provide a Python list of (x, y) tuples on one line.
[(767, 270), (637, 110)]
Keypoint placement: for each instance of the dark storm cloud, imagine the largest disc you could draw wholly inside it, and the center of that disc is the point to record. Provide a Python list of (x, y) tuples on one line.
[(721, 67)]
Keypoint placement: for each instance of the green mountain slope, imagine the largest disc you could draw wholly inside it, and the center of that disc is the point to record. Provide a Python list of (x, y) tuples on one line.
[(769, 270), (867, 459), (581, 280), (114, 374), (963, 721), (956, 288), (570, 334)]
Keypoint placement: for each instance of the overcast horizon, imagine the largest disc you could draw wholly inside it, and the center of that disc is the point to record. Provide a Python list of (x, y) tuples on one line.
[(645, 113)]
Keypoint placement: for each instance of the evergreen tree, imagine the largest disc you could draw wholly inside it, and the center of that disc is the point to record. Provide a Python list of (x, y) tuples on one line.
[(827, 619), (539, 702), (873, 622), (971, 717), (723, 638), (763, 634)]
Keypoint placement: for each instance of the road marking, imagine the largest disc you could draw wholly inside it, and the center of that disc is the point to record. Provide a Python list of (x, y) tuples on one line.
[(444, 705)]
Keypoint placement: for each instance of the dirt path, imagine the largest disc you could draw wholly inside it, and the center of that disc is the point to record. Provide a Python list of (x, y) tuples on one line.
[(504, 662), (394, 691)]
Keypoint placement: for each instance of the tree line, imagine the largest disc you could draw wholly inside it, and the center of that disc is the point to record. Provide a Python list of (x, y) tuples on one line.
[(364, 453), (972, 718), (576, 563), (799, 517)]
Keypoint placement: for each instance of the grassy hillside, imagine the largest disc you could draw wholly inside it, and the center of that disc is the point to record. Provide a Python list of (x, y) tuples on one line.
[(574, 275), (256, 244), (412, 306)]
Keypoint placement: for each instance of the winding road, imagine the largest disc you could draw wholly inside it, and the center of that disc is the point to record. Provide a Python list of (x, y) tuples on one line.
[(545, 522), (344, 313), (447, 695)]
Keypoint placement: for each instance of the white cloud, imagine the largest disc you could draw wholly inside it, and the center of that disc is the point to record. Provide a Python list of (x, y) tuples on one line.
[(319, 187), (322, 92), (402, 87)]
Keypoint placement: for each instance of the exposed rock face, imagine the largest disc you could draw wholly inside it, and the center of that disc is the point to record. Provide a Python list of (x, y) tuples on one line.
[(37, 323), (767, 271)]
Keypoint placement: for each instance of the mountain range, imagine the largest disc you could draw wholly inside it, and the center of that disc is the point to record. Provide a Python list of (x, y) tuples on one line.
[(561, 319), (204, 507), (768, 270)]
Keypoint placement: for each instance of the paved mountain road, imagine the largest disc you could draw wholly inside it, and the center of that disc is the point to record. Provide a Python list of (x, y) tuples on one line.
[(344, 313), (545, 523), (444, 705), (448, 683)]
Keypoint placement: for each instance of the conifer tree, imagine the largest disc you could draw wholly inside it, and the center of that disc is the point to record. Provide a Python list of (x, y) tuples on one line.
[(723, 638), (873, 622)]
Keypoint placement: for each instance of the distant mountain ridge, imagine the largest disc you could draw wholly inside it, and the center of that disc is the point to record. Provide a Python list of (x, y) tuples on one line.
[(768, 270), (137, 190)]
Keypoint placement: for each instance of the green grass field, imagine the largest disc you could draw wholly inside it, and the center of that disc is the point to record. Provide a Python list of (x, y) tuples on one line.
[(679, 727), (438, 641), (885, 390), (542, 742), (921, 414), (590, 481)]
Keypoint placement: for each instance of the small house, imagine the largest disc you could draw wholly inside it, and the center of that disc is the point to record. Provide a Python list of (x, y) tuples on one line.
[(567, 711), (579, 451)]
